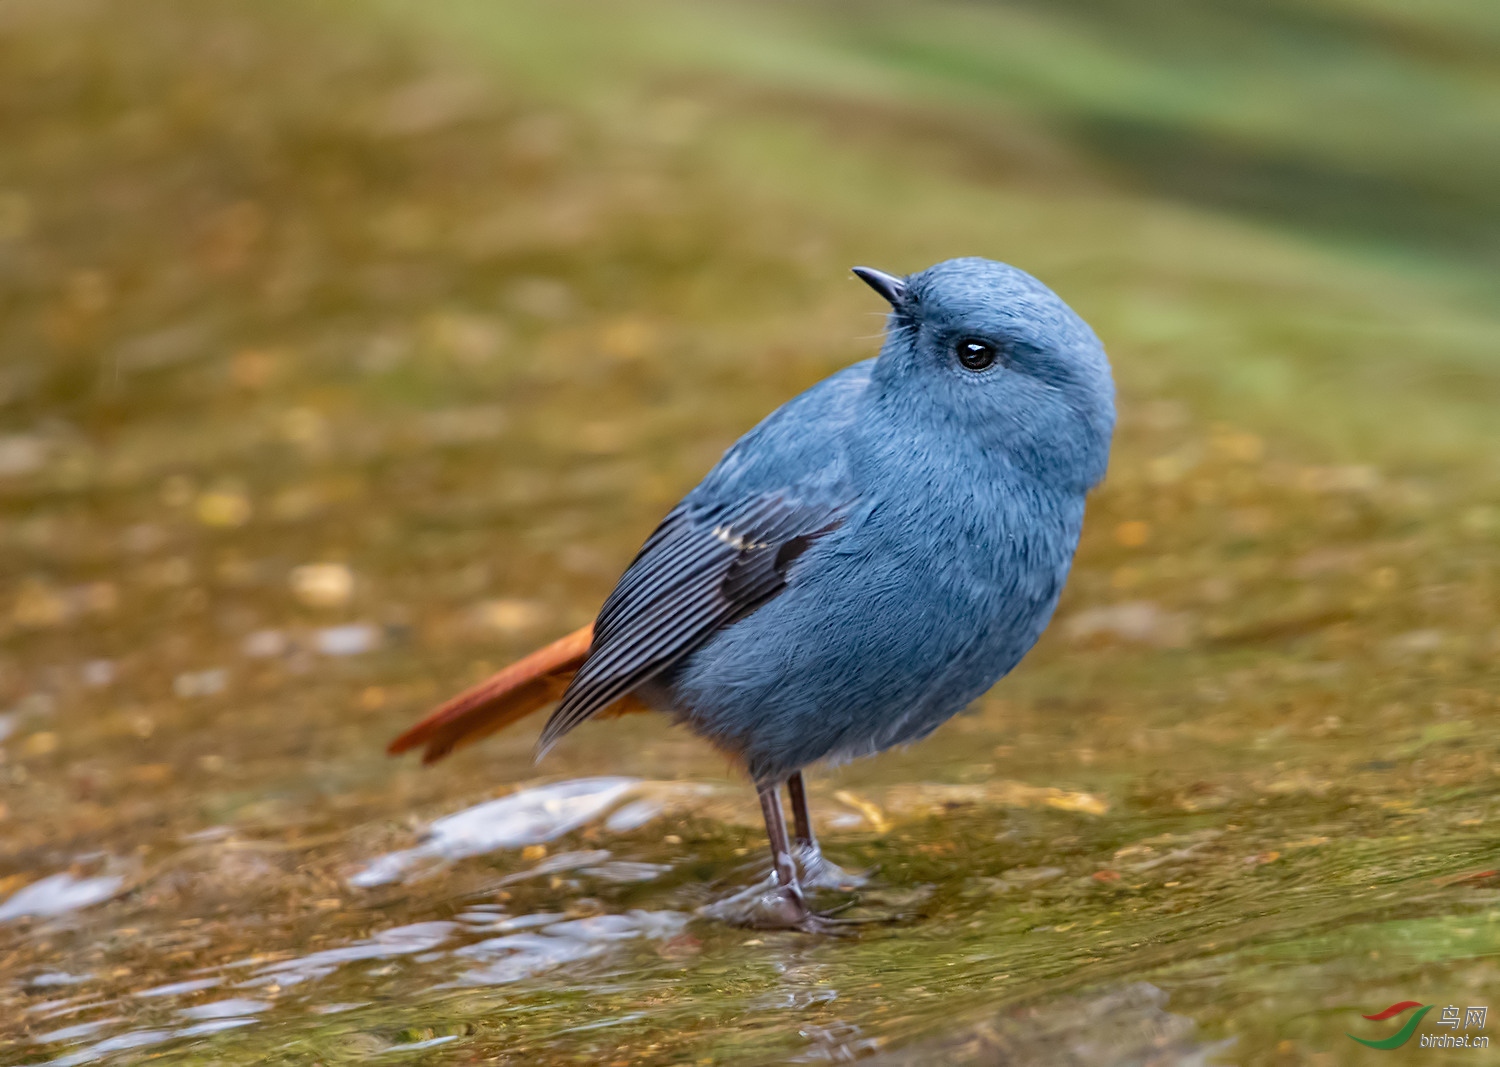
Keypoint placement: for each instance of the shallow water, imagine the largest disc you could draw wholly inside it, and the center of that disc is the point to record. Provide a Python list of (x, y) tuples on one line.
[(339, 366)]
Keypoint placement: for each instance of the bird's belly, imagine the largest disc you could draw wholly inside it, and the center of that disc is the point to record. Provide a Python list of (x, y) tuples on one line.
[(852, 661)]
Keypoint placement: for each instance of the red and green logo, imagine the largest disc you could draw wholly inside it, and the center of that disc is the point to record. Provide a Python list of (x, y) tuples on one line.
[(1401, 1036)]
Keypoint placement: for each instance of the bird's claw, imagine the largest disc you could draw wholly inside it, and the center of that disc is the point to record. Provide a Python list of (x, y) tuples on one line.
[(777, 907), (820, 873), (784, 908)]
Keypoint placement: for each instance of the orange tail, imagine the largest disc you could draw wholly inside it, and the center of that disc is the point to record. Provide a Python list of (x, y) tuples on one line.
[(506, 697)]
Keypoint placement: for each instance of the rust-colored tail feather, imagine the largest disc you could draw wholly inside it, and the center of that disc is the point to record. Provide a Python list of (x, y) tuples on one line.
[(508, 696)]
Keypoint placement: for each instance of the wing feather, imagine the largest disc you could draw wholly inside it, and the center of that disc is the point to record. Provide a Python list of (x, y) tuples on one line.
[(673, 561), (703, 569)]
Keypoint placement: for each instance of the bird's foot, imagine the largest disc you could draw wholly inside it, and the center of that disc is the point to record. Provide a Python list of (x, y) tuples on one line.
[(786, 909), (778, 907), (820, 873), (764, 906), (783, 908)]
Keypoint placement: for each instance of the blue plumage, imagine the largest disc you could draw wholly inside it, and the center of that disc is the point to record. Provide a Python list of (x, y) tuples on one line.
[(880, 550)]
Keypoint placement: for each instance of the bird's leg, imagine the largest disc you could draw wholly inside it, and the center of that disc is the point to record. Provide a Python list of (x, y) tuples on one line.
[(785, 902), (784, 907), (801, 822), (817, 872), (808, 852)]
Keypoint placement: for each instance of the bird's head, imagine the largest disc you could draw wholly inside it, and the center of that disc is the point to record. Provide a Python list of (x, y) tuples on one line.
[(982, 349)]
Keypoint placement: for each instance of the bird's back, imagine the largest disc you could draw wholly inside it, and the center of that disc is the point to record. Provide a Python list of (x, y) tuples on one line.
[(801, 443)]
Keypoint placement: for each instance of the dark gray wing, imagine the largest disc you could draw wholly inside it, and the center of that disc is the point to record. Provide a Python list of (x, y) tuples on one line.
[(702, 569)]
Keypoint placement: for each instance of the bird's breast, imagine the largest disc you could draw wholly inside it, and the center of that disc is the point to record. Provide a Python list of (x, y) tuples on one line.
[(989, 536)]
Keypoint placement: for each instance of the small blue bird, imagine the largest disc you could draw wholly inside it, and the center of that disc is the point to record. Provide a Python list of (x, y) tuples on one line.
[(857, 568)]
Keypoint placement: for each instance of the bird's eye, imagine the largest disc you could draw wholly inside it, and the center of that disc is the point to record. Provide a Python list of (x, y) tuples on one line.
[(975, 354)]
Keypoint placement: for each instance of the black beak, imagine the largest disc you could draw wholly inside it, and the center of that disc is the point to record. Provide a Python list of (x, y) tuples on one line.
[(887, 285)]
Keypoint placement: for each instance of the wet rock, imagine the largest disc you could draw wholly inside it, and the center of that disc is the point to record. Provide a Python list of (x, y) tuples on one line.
[(223, 508), (256, 368), (39, 606), (1414, 643), (297, 502), (472, 340), (428, 104), (1481, 521), (1133, 534), (322, 585), (542, 298), (307, 428), (628, 338), (98, 673), (22, 454), (43, 743), (351, 640), (1134, 621), (207, 683), (461, 426), (163, 348), (509, 616), (15, 215), (265, 644)]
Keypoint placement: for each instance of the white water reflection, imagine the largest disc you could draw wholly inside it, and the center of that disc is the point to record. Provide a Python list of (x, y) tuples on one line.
[(514, 956), (625, 871), (225, 1009), (177, 989), (58, 894), (593, 862), (536, 816), (119, 1043), (73, 1033), (212, 1026), (397, 941), (514, 948), (561, 861)]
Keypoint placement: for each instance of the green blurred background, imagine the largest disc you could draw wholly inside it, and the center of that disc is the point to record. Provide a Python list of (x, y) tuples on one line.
[(348, 350)]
